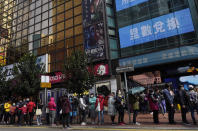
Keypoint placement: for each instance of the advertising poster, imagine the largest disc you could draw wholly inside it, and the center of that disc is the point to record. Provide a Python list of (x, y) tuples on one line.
[(94, 35), (92, 12), (94, 40)]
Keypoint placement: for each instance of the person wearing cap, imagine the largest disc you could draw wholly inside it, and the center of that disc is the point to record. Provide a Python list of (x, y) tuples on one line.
[(193, 102)]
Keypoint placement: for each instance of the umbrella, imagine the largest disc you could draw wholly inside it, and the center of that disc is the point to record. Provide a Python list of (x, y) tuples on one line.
[(136, 90)]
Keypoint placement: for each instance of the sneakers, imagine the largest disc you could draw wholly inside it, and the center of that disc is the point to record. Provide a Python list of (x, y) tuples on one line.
[(137, 123), (83, 124)]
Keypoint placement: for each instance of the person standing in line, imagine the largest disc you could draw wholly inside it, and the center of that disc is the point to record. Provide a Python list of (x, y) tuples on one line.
[(31, 110), (7, 106), (19, 111), (52, 111), (169, 98), (92, 102), (1, 111), (120, 107), (38, 115), (193, 102), (184, 103), (111, 107), (135, 108), (12, 113), (100, 109), (153, 102), (82, 110), (24, 114), (66, 109)]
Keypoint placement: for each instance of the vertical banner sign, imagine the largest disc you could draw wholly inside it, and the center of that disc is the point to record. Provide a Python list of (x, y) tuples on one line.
[(93, 24)]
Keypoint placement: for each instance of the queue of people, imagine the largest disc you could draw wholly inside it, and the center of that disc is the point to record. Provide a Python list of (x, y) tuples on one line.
[(72, 110)]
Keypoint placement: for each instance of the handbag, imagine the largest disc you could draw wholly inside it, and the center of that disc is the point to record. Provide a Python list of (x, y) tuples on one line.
[(38, 112)]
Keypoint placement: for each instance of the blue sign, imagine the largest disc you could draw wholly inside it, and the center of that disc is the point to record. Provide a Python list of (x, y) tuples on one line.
[(165, 56), (172, 24), (123, 4)]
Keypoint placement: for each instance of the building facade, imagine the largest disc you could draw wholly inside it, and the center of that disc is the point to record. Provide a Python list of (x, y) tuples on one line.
[(53, 29), (157, 36)]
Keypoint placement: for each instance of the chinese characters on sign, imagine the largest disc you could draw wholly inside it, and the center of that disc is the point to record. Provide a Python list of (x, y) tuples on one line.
[(172, 24), (123, 4)]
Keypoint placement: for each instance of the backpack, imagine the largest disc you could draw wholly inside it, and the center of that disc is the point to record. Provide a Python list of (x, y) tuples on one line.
[(193, 98)]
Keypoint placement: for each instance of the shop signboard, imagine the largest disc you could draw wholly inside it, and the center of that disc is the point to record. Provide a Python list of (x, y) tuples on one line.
[(124, 4), (165, 26), (58, 77), (165, 56), (93, 25)]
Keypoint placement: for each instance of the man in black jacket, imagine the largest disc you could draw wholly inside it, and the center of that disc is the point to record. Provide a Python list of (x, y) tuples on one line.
[(184, 102), (169, 98)]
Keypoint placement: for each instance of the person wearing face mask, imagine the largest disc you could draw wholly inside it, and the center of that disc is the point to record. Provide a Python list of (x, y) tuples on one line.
[(120, 107), (92, 101), (111, 107), (183, 101)]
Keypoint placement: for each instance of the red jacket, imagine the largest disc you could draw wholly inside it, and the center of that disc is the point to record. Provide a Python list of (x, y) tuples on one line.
[(66, 107), (30, 106), (52, 104), (153, 105), (101, 100), (24, 110)]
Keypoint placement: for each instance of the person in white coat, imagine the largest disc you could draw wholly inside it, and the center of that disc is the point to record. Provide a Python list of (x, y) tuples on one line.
[(82, 110), (111, 107)]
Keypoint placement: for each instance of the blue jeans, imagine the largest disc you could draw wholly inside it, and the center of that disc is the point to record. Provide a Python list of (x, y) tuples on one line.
[(192, 109), (100, 117)]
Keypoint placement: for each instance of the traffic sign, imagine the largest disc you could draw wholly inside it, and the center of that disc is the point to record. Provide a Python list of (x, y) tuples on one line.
[(122, 69), (46, 85)]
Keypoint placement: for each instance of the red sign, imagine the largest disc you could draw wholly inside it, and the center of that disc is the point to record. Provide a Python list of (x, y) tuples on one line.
[(101, 69), (57, 78)]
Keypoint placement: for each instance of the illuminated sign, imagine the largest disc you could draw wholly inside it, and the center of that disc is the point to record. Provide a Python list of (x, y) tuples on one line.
[(172, 24), (123, 4)]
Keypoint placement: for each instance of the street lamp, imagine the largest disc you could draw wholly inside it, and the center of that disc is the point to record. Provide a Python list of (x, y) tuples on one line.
[(125, 69)]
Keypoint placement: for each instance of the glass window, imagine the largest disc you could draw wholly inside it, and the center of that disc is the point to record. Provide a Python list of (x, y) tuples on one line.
[(114, 54), (111, 22), (110, 11), (113, 44)]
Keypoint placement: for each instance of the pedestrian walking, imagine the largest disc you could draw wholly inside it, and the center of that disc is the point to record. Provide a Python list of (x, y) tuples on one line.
[(52, 111), (92, 102), (100, 108), (169, 98), (111, 107), (66, 109)]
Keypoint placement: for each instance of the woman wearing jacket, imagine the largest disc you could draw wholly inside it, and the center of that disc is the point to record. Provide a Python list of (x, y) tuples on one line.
[(92, 102), (82, 110), (100, 108), (136, 108), (153, 102), (111, 107), (52, 110)]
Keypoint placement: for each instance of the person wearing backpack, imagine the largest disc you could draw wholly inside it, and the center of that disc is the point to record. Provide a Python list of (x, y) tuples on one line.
[(193, 102)]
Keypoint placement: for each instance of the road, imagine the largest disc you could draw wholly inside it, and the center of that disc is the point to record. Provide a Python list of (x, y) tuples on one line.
[(79, 129)]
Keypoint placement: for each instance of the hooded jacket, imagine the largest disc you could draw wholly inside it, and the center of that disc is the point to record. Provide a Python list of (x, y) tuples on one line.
[(52, 104)]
